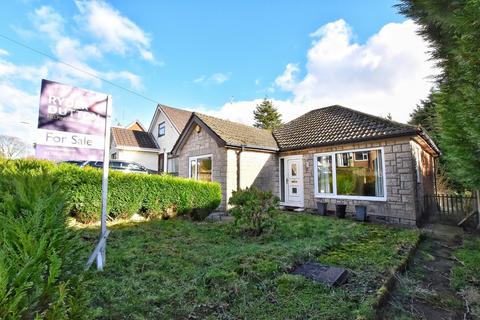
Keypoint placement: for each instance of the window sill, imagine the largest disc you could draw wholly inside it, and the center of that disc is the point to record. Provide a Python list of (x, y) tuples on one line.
[(359, 198)]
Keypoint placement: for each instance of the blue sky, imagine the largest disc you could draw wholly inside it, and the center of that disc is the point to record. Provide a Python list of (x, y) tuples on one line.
[(217, 57)]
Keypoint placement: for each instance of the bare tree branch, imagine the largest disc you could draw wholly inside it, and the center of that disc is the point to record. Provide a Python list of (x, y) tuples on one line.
[(12, 147)]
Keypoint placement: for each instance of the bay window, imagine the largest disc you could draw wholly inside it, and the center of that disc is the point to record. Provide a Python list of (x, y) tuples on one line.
[(201, 168), (357, 174)]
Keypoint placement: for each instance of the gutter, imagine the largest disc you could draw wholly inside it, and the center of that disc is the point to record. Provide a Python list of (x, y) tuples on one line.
[(239, 154)]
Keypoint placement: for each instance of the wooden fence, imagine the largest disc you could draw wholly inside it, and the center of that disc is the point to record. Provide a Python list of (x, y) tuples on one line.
[(452, 208)]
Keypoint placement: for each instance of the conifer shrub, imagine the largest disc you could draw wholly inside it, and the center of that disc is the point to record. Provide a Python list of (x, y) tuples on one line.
[(41, 273)]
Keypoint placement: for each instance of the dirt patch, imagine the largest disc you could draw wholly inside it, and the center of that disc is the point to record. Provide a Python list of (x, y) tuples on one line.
[(424, 290)]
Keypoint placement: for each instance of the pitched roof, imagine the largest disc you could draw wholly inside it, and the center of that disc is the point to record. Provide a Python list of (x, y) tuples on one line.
[(337, 125), (178, 117), (236, 134), (135, 125), (132, 138)]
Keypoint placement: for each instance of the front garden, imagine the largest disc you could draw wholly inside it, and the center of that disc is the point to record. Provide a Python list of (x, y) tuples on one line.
[(178, 269)]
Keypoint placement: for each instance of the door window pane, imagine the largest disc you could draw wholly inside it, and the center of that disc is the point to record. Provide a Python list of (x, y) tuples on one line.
[(293, 169), (324, 174), (360, 178)]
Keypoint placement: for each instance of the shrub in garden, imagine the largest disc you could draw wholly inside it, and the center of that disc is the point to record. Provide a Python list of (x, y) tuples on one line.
[(254, 209), (40, 270)]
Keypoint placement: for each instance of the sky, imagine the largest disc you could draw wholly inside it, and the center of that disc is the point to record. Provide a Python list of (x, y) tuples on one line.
[(216, 57)]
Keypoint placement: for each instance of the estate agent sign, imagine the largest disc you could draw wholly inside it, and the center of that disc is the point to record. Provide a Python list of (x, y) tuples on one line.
[(71, 123), (74, 124)]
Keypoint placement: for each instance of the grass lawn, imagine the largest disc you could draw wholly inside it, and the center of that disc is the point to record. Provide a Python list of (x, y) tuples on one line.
[(466, 274), (177, 269)]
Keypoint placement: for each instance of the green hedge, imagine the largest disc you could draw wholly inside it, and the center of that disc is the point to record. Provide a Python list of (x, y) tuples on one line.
[(148, 195), (41, 273)]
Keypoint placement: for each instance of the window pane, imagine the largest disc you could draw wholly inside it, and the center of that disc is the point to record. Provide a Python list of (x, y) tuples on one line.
[(324, 174), (161, 129), (205, 169), (360, 178), (193, 169)]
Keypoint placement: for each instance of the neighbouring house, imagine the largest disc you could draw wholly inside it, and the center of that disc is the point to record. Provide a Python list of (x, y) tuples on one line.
[(133, 143), (335, 155), (166, 125)]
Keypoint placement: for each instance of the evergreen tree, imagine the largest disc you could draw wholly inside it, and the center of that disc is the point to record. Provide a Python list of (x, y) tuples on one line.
[(426, 115), (453, 30), (267, 116)]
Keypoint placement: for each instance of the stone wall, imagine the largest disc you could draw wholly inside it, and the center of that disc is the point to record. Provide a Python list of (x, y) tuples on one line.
[(199, 144), (259, 169), (400, 204), (424, 176)]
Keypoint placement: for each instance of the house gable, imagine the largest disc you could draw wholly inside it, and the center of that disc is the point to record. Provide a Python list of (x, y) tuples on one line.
[(136, 126), (172, 121), (195, 124)]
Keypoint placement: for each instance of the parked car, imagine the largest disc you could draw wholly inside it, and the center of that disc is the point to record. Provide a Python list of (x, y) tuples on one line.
[(79, 163), (124, 166)]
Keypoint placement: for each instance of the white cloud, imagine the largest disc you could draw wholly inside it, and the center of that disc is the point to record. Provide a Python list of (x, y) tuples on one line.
[(216, 78), (389, 73), (29, 73), (75, 53), (4, 52), (199, 79), (134, 80), (48, 21), (18, 112), (116, 32), (219, 78), (287, 80)]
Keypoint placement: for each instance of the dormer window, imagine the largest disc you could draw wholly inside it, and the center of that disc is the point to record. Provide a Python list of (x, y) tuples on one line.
[(161, 129)]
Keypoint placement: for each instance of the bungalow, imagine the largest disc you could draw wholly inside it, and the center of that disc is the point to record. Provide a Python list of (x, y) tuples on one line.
[(335, 155)]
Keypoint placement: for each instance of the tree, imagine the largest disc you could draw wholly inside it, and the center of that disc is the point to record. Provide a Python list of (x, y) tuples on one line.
[(11, 147), (267, 116), (426, 115), (453, 31)]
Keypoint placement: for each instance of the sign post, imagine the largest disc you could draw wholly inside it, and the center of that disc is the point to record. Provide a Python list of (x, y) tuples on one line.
[(106, 159), (74, 124)]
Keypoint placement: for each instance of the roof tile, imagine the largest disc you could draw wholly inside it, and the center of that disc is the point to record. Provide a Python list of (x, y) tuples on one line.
[(237, 134), (178, 117), (336, 125), (133, 138)]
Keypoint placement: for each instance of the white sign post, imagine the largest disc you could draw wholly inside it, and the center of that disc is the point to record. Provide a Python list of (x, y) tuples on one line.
[(100, 251)]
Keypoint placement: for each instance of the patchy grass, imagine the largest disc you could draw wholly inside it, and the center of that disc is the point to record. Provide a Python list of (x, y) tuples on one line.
[(177, 269), (466, 273)]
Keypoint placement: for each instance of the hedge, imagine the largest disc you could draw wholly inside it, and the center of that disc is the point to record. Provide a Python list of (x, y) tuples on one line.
[(128, 194), (41, 272)]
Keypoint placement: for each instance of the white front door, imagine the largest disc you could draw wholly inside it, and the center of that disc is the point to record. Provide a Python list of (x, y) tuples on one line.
[(294, 181)]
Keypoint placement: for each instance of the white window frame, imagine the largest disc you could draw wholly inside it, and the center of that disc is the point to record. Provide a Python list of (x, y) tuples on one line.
[(164, 129), (334, 194), (196, 158)]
